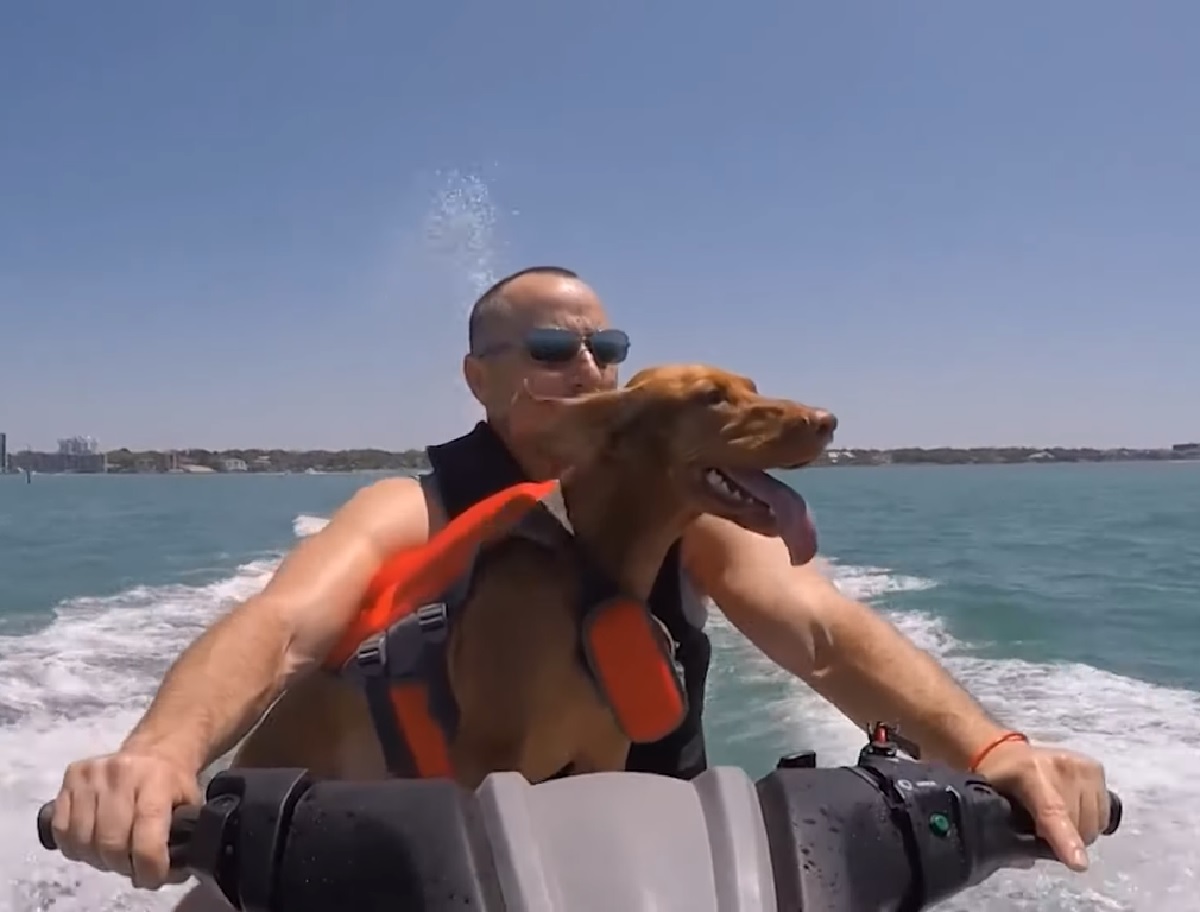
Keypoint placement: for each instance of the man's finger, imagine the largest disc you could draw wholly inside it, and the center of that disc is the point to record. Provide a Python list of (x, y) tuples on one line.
[(80, 828), (60, 822), (1093, 815), (1060, 833), (1054, 825), (151, 830), (114, 820)]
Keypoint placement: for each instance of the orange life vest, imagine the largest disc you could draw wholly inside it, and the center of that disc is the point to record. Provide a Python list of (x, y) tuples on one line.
[(396, 645)]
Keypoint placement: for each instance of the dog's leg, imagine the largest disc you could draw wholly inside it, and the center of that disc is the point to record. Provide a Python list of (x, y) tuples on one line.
[(514, 661), (603, 747), (474, 756), (607, 755), (321, 723)]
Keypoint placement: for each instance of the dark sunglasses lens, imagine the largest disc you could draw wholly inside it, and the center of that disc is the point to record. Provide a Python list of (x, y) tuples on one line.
[(552, 346), (609, 346)]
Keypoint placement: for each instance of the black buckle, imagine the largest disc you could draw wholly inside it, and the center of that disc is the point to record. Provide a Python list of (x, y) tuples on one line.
[(371, 657), (433, 620), (399, 651)]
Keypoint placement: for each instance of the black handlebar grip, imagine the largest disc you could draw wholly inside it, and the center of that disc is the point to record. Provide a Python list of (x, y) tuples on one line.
[(45, 833), (1115, 812), (183, 825)]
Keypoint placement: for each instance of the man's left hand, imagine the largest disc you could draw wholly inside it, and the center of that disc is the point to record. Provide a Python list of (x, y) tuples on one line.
[(1064, 792)]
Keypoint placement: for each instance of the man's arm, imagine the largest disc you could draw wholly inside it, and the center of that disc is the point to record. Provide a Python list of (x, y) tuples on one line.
[(841, 648), (224, 681)]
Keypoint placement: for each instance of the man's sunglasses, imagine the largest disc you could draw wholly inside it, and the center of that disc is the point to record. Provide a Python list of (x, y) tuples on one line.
[(552, 345)]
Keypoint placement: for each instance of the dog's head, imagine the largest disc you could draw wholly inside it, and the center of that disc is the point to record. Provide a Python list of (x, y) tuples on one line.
[(700, 436)]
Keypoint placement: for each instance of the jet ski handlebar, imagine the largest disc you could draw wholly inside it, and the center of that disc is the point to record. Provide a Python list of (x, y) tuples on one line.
[(889, 833)]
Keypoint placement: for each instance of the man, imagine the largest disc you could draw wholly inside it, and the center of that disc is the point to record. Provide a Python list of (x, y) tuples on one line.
[(540, 328)]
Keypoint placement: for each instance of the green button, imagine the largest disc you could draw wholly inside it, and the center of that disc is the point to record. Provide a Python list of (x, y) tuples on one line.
[(939, 824)]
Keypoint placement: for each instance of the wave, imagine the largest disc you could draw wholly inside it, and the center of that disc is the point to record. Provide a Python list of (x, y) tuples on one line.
[(75, 688)]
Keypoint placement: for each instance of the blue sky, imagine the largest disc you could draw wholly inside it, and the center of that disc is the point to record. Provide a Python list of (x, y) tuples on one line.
[(229, 224)]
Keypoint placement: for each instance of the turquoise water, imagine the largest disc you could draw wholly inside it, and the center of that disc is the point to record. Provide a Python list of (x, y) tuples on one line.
[(1065, 597)]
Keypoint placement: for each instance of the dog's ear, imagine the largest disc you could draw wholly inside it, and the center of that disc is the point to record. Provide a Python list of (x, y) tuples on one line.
[(579, 428)]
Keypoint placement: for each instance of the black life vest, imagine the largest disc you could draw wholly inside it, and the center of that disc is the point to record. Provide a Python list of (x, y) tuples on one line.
[(477, 465)]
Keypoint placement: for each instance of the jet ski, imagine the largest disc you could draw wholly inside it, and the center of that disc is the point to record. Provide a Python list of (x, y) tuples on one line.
[(889, 834)]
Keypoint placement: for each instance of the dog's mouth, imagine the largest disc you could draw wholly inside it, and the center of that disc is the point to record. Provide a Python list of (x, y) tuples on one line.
[(761, 503), (721, 485)]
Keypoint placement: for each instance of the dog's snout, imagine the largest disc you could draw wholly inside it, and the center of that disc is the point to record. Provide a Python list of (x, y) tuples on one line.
[(825, 423)]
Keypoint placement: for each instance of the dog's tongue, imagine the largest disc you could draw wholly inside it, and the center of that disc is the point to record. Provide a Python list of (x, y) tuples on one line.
[(794, 524)]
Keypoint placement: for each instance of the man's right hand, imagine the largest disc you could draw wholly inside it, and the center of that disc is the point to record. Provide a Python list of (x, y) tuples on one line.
[(114, 813)]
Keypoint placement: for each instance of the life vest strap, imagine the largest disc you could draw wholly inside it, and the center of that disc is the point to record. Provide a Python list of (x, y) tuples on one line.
[(400, 760), (402, 674)]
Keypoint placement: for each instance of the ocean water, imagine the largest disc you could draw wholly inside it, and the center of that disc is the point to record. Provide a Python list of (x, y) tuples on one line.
[(1067, 598)]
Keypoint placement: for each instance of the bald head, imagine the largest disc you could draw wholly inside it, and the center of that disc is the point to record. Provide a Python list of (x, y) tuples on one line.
[(495, 306)]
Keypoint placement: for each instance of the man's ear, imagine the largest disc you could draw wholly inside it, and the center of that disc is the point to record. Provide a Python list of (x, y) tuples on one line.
[(473, 373), (576, 429)]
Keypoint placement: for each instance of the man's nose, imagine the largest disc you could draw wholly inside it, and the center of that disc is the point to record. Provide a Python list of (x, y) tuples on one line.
[(584, 372)]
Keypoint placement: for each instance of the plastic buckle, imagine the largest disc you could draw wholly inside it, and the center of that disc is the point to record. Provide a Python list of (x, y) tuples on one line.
[(371, 658), (433, 620)]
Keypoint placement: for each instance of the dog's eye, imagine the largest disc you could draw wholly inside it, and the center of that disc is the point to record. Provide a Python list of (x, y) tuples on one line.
[(712, 395)]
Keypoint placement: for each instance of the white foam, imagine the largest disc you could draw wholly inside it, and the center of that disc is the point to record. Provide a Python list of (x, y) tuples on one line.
[(75, 688), (1148, 738), (72, 690), (305, 525)]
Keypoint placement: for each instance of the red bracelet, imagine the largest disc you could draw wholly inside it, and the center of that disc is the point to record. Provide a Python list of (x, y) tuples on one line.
[(1003, 739)]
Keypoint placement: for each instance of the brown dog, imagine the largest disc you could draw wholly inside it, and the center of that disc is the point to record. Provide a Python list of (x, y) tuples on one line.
[(675, 443)]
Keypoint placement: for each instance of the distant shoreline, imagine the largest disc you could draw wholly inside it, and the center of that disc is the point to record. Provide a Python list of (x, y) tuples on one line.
[(363, 461)]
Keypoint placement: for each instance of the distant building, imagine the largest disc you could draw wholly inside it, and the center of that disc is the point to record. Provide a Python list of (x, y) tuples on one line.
[(76, 455), (1186, 448), (78, 446), (3, 452), (233, 464)]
